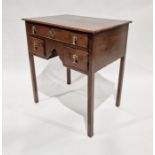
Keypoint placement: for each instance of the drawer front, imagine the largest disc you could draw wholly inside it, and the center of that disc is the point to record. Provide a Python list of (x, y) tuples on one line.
[(65, 36), (76, 59), (37, 46)]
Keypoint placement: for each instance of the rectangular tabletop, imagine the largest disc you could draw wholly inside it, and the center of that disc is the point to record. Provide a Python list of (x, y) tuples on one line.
[(78, 23)]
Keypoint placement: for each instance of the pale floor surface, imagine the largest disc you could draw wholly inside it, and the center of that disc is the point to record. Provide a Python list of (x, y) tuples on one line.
[(51, 128)]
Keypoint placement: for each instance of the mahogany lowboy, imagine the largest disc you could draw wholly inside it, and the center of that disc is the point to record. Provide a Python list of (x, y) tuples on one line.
[(83, 44)]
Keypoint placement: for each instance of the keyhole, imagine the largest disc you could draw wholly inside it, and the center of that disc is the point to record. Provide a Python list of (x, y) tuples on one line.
[(53, 51), (76, 61), (35, 47)]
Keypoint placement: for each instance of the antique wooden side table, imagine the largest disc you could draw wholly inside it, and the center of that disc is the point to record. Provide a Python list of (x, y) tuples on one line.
[(83, 44)]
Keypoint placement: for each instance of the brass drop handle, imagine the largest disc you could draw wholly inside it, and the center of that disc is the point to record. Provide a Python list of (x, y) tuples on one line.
[(52, 33), (34, 29), (75, 59), (74, 40)]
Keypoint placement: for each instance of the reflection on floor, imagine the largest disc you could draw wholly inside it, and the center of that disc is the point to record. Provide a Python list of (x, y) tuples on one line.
[(55, 125), (52, 82)]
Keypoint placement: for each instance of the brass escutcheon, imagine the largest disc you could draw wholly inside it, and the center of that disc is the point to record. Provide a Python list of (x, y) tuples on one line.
[(75, 59), (52, 33), (35, 46), (74, 40), (34, 29)]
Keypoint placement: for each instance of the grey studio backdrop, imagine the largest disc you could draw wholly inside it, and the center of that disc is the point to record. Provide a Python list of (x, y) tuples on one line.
[(56, 125)]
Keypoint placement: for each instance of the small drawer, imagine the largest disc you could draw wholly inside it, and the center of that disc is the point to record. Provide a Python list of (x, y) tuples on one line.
[(37, 46), (76, 59), (65, 36)]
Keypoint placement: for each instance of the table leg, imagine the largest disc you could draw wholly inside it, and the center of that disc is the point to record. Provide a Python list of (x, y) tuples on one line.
[(90, 108), (120, 81), (68, 76), (33, 77)]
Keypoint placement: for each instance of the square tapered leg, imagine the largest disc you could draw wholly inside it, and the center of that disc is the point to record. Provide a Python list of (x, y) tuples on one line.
[(120, 81), (33, 77), (68, 76), (90, 108)]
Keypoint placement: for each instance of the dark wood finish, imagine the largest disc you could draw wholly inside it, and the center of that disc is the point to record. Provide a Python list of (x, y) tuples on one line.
[(36, 46), (82, 59), (58, 34), (68, 76), (78, 23), (90, 110), (33, 77), (109, 46), (53, 48), (83, 44), (59, 47), (120, 81), (90, 91), (33, 73)]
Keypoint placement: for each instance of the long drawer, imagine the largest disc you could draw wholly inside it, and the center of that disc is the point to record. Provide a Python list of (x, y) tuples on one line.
[(65, 36)]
